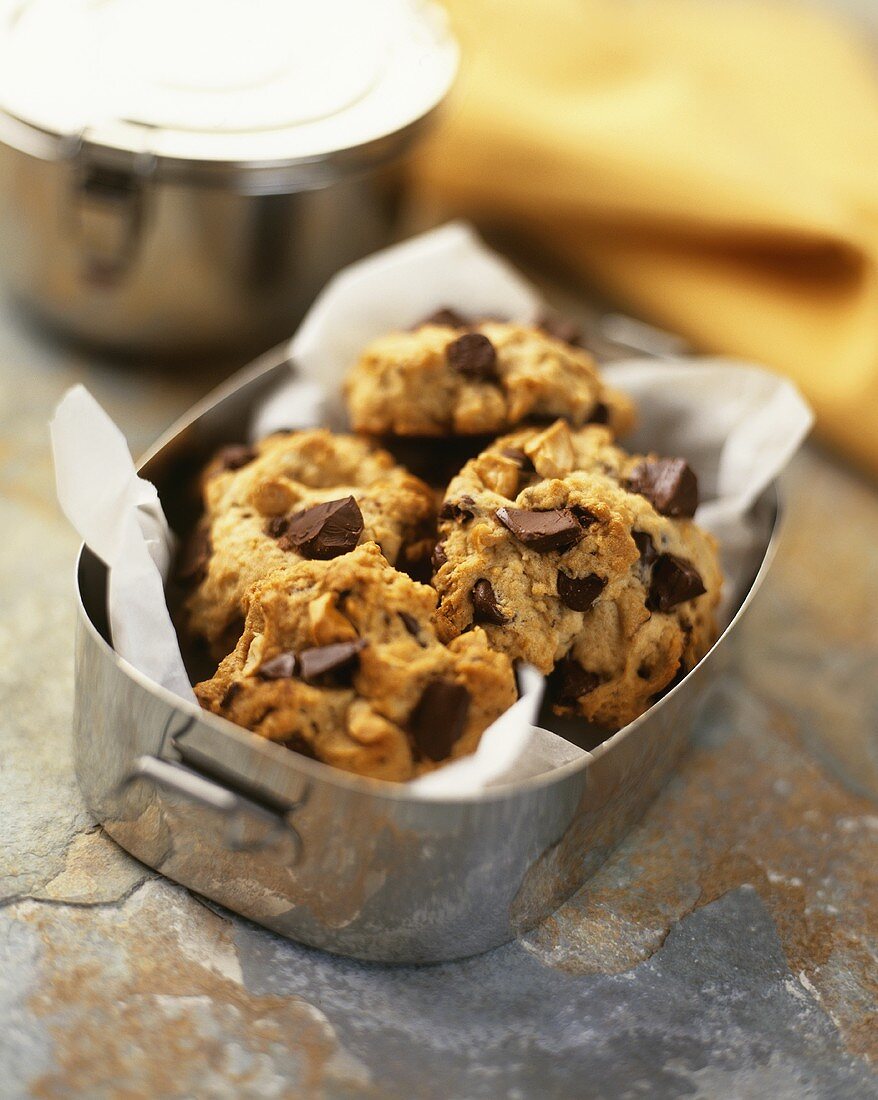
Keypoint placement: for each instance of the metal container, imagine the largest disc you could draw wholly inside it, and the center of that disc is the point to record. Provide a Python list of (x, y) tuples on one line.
[(177, 178), (352, 865)]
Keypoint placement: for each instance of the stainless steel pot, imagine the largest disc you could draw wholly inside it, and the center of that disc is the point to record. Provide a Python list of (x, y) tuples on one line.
[(180, 213), (354, 866)]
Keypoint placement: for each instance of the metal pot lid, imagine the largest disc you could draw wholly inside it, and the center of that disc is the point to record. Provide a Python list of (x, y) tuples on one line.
[(232, 81)]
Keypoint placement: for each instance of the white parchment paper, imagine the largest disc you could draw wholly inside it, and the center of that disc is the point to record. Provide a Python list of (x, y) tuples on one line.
[(119, 516), (737, 424)]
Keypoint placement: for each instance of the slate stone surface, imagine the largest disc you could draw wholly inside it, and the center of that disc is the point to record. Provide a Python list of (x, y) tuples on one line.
[(727, 948)]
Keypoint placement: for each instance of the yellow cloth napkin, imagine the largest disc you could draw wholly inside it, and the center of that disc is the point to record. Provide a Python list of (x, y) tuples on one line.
[(713, 165)]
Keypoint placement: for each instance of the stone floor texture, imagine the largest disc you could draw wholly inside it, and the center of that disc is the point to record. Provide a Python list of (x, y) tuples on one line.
[(729, 947)]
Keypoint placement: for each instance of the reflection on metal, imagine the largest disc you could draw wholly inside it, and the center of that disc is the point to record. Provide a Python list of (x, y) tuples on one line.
[(246, 826), (351, 865), (115, 255)]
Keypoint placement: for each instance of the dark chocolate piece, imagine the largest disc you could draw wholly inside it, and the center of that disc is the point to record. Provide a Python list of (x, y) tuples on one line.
[(600, 414), (438, 558), (576, 681), (235, 455), (281, 667), (439, 718), (579, 593), (558, 529), (485, 608), (674, 581), (325, 530), (337, 660), (472, 355), (669, 484)]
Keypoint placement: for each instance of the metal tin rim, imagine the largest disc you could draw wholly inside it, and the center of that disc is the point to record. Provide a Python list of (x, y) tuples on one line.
[(246, 176)]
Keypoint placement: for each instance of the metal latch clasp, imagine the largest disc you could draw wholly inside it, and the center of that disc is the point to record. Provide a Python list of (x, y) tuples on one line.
[(108, 205)]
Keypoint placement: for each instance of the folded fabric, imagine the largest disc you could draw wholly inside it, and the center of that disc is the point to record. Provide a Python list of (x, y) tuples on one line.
[(713, 166)]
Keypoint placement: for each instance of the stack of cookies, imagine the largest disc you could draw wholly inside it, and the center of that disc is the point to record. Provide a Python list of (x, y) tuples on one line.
[(551, 544)]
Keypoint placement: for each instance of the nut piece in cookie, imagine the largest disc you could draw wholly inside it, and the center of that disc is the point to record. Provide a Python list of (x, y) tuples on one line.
[(339, 659), (439, 380), (572, 554), (294, 497)]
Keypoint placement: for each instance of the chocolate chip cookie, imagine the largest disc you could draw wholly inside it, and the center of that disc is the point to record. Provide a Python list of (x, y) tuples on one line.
[(446, 378), (575, 556), (293, 497), (339, 660)]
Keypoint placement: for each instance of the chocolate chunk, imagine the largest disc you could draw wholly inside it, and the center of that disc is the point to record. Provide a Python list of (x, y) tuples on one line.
[(438, 557), (674, 581), (561, 328), (194, 556), (485, 609), (324, 531), (281, 667), (600, 414), (558, 529), (579, 593), (521, 460), (410, 623), (460, 510), (669, 484), (446, 316), (645, 546), (235, 455), (337, 660), (439, 718), (576, 681), (472, 355)]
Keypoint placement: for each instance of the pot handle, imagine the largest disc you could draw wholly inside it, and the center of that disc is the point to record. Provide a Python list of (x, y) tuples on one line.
[(248, 826)]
